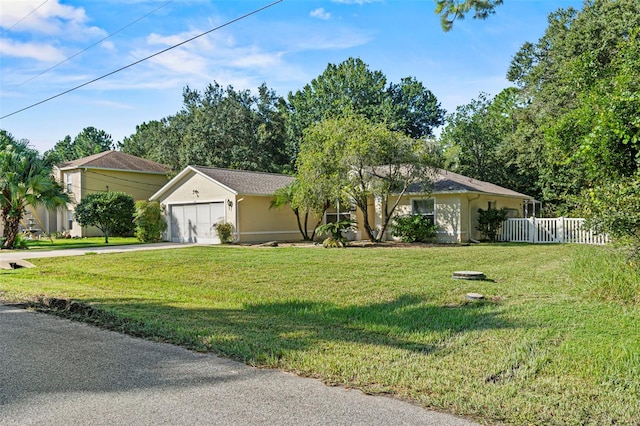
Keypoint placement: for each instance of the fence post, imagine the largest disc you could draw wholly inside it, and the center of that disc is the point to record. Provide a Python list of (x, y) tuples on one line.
[(561, 229), (533, 230)]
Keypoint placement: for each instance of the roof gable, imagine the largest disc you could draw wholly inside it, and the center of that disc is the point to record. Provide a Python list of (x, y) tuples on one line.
[(115, 160)]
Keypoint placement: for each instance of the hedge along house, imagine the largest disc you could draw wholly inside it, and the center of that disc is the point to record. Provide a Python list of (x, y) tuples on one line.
[(199, 197), (452, 204), (106, 171)]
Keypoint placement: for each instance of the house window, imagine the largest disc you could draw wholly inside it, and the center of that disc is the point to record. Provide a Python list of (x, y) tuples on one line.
[(425, 207), (492, 205), (70, 220), (337, 215), (69, 184)]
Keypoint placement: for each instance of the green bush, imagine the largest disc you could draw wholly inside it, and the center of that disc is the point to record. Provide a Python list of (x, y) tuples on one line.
[(490, 221), (413, 228), (336, 231), (149, 221), (225, 232), (20, 243)]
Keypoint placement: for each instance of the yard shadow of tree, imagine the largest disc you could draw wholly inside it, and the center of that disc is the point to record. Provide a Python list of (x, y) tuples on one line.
[(262, 333)]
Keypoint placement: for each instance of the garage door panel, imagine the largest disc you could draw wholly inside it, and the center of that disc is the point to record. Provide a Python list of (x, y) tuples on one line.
[(193, 223)]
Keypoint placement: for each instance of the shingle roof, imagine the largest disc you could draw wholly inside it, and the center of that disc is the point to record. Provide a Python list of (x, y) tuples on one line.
[(446, 181), (246, 182), (116, 160)]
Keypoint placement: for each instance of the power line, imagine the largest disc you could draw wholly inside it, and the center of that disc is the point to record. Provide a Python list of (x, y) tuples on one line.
[(25, 17), (96, 43), (144, 59)]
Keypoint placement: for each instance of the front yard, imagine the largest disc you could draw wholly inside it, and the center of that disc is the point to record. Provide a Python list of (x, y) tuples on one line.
[(537, 350)]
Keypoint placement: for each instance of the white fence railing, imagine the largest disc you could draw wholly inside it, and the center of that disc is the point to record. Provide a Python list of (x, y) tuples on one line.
[(545, 230)]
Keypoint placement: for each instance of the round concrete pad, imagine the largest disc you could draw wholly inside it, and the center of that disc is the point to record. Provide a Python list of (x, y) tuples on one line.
[(469, 275)]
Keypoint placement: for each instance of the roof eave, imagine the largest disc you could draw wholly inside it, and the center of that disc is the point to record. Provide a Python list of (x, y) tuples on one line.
[(64, 169)]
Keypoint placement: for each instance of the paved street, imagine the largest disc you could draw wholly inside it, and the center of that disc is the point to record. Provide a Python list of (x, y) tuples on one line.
[(59, 372)]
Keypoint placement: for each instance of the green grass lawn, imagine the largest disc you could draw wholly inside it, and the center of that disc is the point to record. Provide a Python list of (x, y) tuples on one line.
[(538, 350), (67, 243)]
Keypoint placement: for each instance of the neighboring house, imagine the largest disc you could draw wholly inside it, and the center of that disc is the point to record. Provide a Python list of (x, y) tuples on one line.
[(199, 197), (106, 171)]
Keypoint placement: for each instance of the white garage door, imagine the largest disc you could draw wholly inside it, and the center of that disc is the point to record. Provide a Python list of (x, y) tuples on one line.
[(193, 223)]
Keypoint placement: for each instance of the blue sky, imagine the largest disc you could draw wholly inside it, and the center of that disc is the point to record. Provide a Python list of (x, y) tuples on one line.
[(284, 46)]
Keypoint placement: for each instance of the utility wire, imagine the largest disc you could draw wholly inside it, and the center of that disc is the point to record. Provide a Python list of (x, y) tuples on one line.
[(144, 59), (96, 43), (25, 17)]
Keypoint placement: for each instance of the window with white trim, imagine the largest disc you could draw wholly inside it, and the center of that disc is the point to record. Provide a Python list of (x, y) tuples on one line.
[(425, 207), (69, 183), (70, 219), (334, 216)]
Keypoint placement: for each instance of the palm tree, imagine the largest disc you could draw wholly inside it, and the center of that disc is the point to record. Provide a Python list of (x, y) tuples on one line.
[(24, 181)]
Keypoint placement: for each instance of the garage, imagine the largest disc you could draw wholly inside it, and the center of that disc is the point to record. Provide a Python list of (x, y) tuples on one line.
[(193, 223)]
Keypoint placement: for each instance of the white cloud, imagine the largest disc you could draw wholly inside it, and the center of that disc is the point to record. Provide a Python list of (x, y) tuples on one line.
[(39, 51), (51, 18), (320, 13), (258, 60)]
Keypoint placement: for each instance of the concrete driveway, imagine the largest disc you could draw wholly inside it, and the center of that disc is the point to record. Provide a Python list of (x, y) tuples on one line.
[(11, 255), (59, 372)]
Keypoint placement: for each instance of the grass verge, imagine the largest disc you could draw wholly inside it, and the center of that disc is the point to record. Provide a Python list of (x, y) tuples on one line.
[(537, 350), (69, 243)]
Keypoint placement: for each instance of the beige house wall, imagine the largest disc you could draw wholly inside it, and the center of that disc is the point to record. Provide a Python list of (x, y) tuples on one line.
[(478, 201), (456, 214), (139, 185), (258, 223)]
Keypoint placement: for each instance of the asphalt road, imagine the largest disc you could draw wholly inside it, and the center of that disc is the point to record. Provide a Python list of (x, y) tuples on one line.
[(60, 372)]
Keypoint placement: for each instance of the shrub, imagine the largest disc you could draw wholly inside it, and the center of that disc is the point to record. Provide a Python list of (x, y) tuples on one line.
[(225, 232), (149, 221), (336, 231), (490, 221), (413, 228)]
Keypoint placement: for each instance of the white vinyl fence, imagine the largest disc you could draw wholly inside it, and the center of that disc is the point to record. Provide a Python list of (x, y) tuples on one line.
[(549, 230)]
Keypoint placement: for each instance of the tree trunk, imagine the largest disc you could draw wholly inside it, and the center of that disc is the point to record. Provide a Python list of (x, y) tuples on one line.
[(11, 230), (367, 227)]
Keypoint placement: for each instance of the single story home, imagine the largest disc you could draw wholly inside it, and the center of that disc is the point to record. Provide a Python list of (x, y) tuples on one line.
[(199, 197)]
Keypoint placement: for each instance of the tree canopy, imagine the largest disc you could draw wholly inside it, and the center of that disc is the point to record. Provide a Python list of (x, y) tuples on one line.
[(88, 142), (580, 86), (353, 159), (110, 212), (351, 86), (219, 127), (452, 10)]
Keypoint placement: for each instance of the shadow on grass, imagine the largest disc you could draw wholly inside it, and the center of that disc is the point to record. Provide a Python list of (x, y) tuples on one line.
[(262, 333)]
